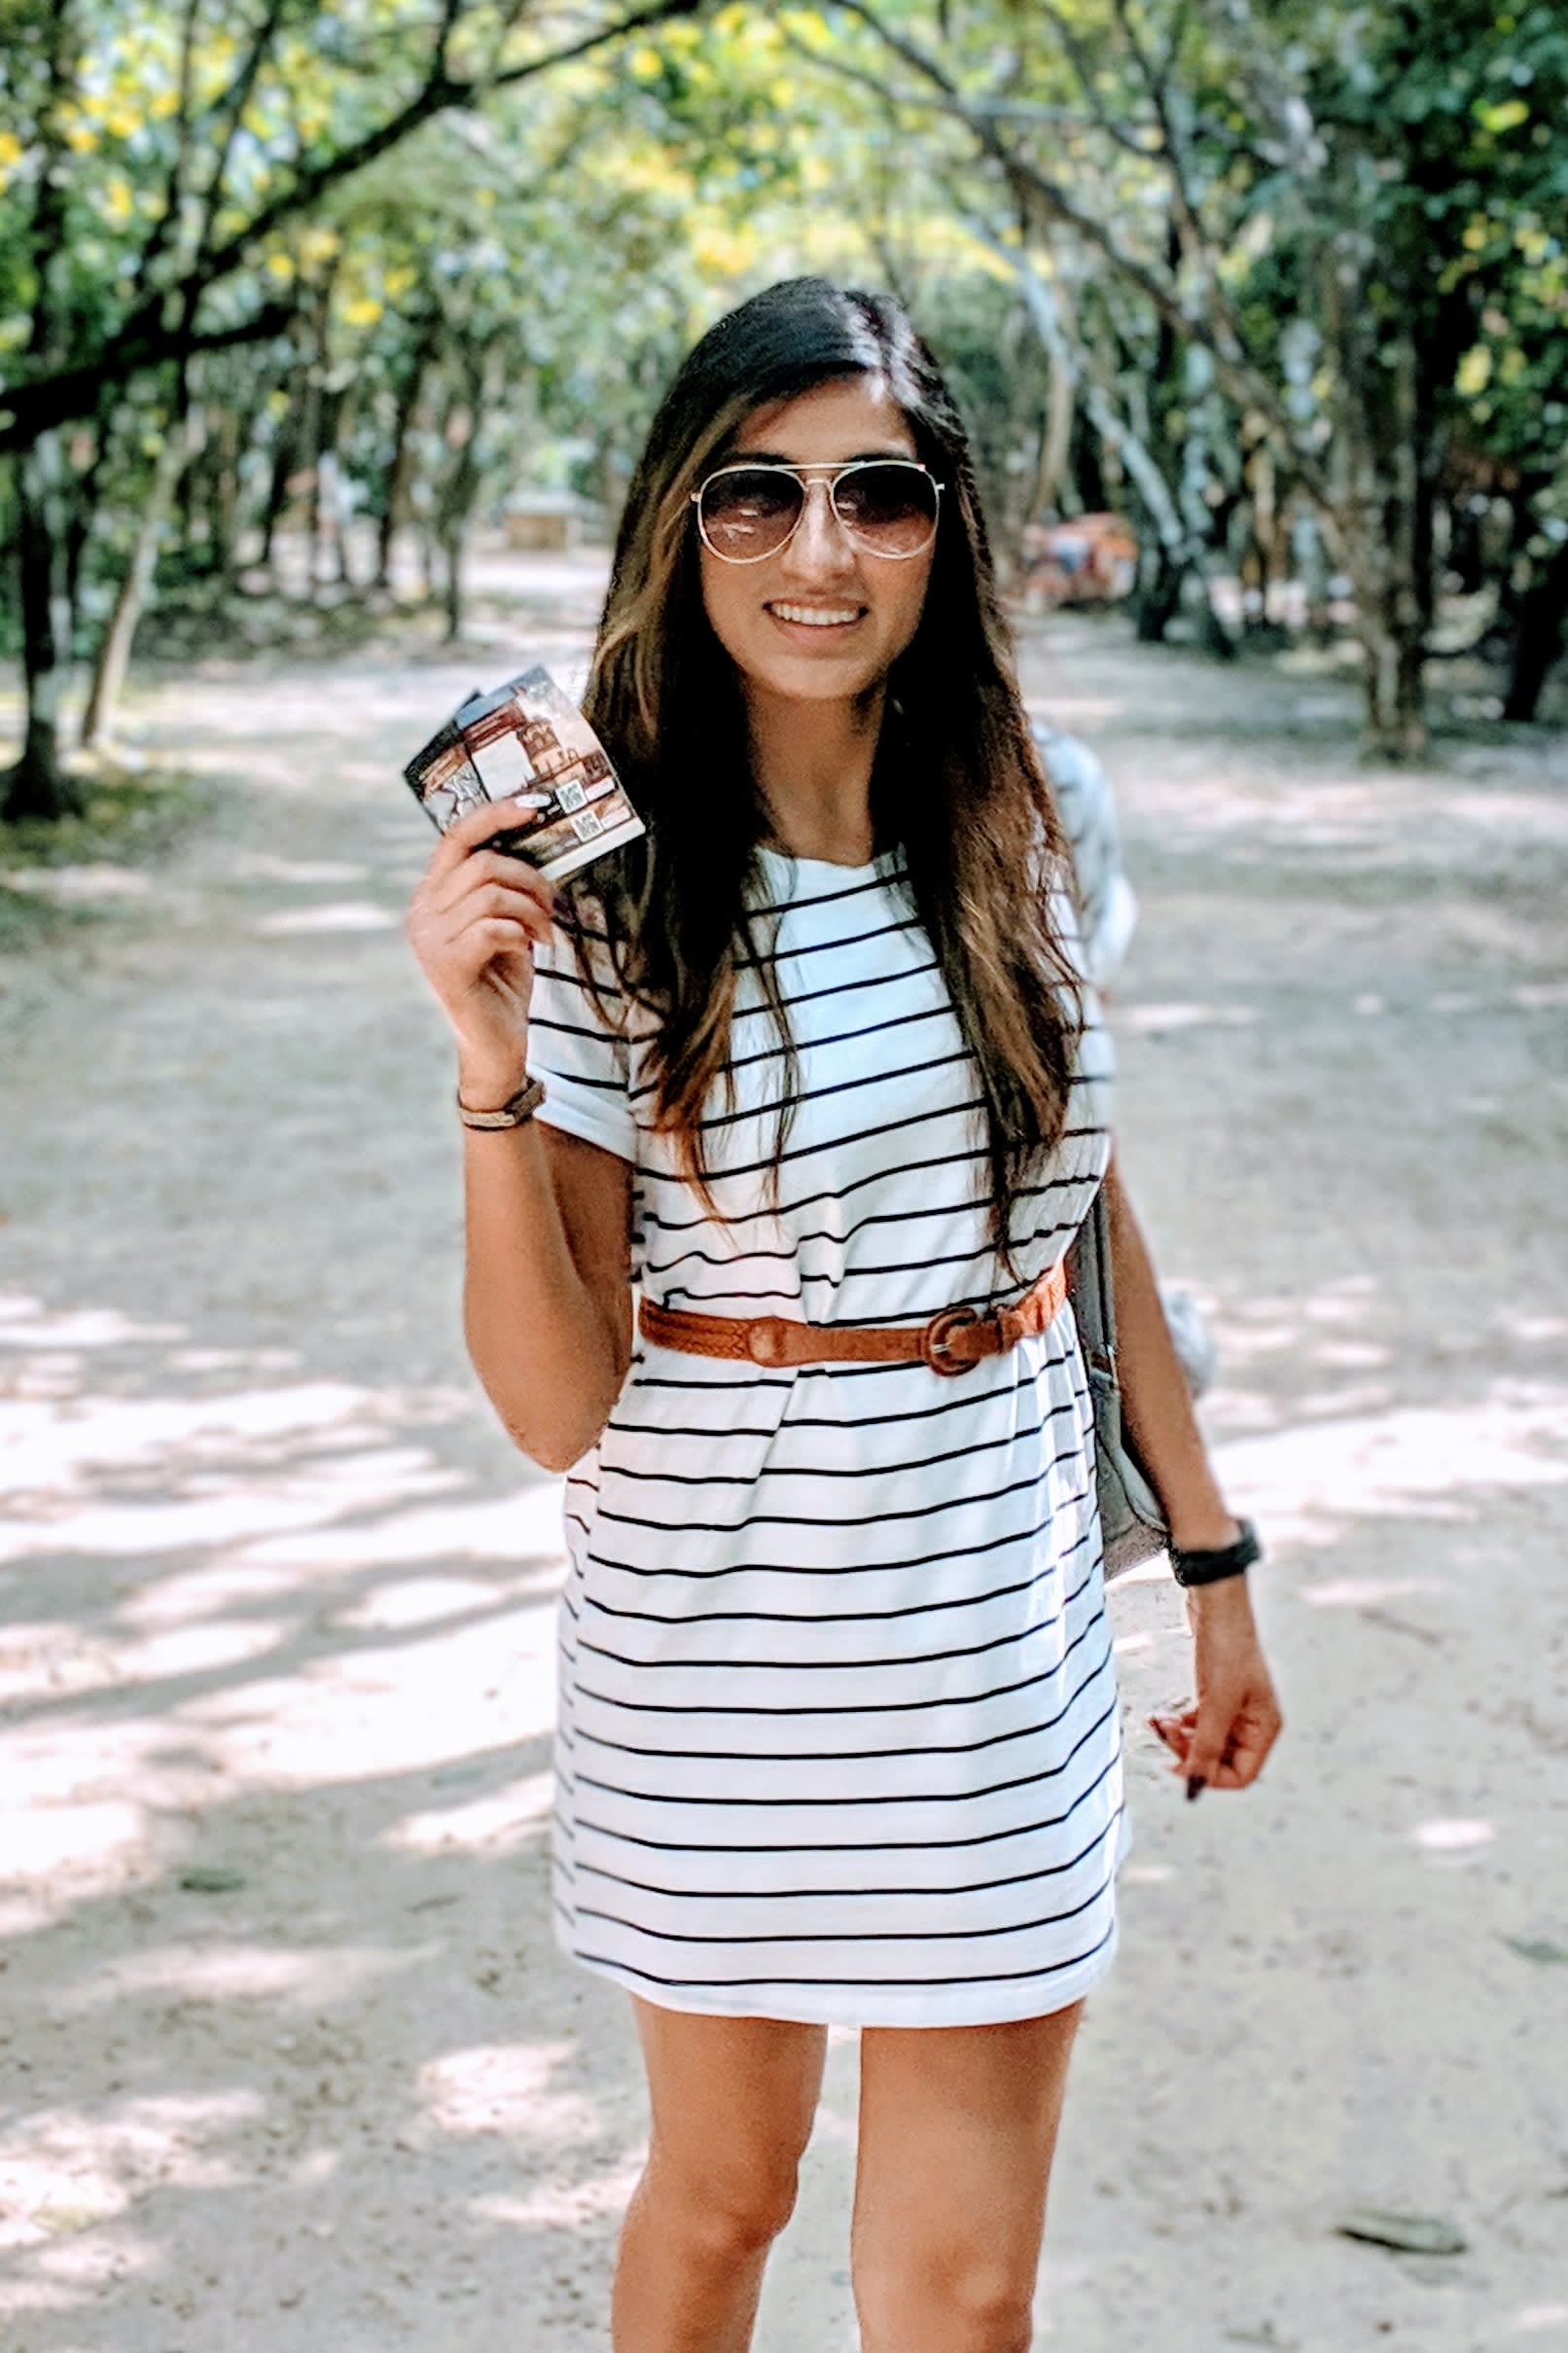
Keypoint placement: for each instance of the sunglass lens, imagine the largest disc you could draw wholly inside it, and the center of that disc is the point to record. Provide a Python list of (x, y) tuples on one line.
[(892, 508), (750, 511)]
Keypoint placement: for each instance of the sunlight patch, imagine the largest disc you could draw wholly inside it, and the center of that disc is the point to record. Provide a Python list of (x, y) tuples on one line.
[(493, 1824), (505, 2088), (324, 1975)]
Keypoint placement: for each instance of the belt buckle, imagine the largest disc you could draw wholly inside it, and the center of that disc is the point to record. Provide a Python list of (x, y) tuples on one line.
[(765, 1341), (934, 1341)]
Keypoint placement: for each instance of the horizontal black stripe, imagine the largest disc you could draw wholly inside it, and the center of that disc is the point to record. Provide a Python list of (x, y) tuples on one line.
[(796, 1802), (859, 1986), (801, 1568), (836, 1281), (849, 1756), (876, 1176), (603, 1042), (866, 1936), (580, 1079), (883, 1843), (837, 1087), (862, 1986), (861, 1706), (864, 1890), (570, 978), (909, 1609), (811, 1046), (816, 1666), (863, 1469), (859, 1135), (851, 890), (829, 1192), (840, 1238), (811, 1519), (839, 988), (825, 947), (962, 1401)]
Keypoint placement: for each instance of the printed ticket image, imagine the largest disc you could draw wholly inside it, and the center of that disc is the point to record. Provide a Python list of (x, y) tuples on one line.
[(527, 738)]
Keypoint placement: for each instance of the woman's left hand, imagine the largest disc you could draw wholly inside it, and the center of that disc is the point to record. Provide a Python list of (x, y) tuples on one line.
[(1221, 1739)]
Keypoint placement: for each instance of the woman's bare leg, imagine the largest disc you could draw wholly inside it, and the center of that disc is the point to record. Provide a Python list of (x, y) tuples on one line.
[(731, 2104), (957, 2132)]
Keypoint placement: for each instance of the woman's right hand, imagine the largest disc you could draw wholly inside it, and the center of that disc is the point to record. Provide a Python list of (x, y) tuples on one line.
[(473, 923)]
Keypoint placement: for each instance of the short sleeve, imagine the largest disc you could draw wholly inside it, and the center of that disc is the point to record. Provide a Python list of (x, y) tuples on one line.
[(581, 1059)]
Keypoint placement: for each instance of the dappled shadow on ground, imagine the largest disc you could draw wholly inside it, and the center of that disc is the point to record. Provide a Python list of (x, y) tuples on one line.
[(294, 2059), (294, 2053), (278, 1679)]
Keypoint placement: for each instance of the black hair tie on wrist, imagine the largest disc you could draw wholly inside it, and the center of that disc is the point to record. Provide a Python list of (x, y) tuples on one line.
[(1224, 1560)]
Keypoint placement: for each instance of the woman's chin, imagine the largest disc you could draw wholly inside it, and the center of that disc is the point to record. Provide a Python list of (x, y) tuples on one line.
[(812, 678)]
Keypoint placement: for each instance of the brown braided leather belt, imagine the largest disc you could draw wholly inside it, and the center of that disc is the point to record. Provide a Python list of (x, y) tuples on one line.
[(952, 1341)]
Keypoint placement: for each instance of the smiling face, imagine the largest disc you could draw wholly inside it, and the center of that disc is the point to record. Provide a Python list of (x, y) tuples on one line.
[(822, 621)]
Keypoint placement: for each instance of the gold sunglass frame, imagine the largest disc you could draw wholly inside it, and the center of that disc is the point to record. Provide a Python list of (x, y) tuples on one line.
[(835, 473)]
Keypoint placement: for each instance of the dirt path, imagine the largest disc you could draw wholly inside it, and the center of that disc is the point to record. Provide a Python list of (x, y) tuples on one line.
[(279, 1596)]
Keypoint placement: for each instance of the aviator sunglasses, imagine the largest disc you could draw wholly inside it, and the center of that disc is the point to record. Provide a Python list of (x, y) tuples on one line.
[(886, 505)]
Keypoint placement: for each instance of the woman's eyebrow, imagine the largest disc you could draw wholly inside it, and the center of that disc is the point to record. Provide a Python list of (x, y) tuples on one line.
[(776, 457)]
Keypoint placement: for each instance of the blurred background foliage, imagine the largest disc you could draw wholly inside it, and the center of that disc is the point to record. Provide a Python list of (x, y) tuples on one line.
[(293, 296)]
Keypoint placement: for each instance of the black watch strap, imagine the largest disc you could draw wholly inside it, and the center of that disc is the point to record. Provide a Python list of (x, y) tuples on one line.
[(1226, 1560)]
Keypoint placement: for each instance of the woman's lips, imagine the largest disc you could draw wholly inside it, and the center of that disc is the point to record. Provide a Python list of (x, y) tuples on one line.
[(834, 621)]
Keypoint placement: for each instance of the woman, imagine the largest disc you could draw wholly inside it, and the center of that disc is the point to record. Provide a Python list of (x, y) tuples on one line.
[(838, 1734)]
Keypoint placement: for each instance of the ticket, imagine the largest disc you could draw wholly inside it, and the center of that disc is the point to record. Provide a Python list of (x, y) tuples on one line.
[(528, 740)]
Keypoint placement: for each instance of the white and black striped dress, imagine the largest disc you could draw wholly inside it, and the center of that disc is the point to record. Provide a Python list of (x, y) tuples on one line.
[(838, 1736)]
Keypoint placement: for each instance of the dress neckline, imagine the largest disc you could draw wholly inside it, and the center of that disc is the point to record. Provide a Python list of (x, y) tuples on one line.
[(787, 861)]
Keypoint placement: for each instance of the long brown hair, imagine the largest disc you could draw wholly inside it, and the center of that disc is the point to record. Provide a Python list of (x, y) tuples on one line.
[(957, 776)]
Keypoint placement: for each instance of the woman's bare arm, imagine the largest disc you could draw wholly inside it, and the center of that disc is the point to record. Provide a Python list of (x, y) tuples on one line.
[(547, 1298), (1157, 1405), (1223, 1737), (547, 1303)]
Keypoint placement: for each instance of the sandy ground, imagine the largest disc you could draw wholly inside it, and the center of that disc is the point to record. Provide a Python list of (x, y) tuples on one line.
[(291, 2060)]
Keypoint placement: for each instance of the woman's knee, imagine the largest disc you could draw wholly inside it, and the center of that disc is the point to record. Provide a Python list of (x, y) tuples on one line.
[(725, 2205), (733, 2103), (964, 2304)]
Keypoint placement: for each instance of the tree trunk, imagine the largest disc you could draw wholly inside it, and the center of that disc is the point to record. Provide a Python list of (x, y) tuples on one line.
[(410, 393), (285, 449), (83, 504), (1056, 442), (1540, 620), (39, 785), (228, 439), (464, 424), (1393, 637), (109, 673), (1158, 604)]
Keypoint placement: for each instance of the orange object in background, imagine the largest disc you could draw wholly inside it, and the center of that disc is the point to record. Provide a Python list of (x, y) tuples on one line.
[(1094, 559)]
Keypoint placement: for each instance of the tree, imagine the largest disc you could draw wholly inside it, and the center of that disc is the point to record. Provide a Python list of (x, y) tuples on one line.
[(1185, 145), (158, 183), (38, 785)]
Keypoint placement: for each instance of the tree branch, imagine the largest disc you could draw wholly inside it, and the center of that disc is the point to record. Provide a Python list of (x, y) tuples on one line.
[(239, 97), (1242, 377), (144, 338), (168, 220), (76, 390), (1039, 305)]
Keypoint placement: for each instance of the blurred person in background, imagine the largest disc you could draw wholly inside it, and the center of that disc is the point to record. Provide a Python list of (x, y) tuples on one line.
[(1107, 917)]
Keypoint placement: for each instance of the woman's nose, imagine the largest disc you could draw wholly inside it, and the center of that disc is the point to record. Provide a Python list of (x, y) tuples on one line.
[(820, 544)]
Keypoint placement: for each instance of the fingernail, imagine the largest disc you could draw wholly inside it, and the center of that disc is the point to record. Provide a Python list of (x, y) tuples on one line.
[(1194, 1785)]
